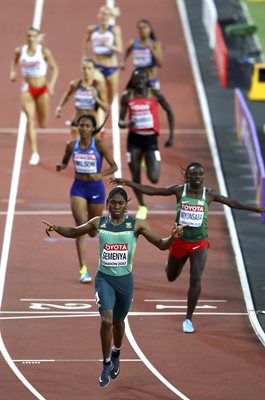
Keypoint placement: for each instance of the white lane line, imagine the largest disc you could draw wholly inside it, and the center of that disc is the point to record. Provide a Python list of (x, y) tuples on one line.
[(218, 168), (131, 314), (57, 299), (162, 307), (46, 131), (132, 212), (10, 217), (25, 361), (181, 300), (148, 364)]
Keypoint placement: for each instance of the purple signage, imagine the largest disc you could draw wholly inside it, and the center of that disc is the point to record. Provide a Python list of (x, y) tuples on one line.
[(247, 134)]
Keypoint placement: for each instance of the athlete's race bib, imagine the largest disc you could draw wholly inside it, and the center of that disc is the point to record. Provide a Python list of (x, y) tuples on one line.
[(142, 58), (114, 255), (85, 100), (191, 214), (143, 120), (85, 163)]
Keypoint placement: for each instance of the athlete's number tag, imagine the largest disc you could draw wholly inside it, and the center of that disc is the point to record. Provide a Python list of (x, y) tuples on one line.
[(143, 120), (85, 163), (191, 215), (142, 57), (114, 255)]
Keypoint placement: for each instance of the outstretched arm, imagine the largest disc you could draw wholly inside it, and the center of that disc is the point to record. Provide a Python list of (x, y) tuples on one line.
[(232, 203), (72, 232), (142, 228), (146, 189)]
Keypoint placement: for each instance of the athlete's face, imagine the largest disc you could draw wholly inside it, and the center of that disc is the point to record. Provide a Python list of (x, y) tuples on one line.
[(144, 30), (32, 37), (117, 206), (88, 69), (195, 176), (85, 128), (104, 16)]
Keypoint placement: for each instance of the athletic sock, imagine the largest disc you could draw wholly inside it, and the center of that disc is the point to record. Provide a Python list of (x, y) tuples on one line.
[(83, 270), (115, 352)]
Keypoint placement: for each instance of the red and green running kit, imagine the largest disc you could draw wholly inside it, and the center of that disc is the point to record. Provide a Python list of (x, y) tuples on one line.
[(117, 245), (193, 212)]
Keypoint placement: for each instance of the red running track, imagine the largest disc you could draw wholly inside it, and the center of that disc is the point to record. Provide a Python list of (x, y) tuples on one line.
[(56, 348)]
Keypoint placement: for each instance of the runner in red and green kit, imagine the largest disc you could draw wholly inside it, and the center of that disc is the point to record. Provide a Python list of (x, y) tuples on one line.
[(193, 199), (118, 235)]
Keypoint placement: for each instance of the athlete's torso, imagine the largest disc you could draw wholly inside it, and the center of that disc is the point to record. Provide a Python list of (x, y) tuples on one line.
[(193, 212), (87, 161), (142, 56), (84, 97), (116, 246), (99, 38), (33, 66), (144, 112)]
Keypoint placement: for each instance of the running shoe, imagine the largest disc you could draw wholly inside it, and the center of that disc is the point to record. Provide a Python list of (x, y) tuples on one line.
[(142, 212), (104, 378), (84, 275), (35, 159), (114, 373), (187, 326)]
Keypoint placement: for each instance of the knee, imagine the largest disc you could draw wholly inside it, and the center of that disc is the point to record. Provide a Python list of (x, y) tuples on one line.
[(170, 276), (43, 124), (153, 179), (195, 281), (106, 322), (92, 234)]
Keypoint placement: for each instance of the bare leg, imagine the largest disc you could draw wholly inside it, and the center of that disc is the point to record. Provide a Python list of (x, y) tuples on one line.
[(198, 261), (29, 107), (174, 267), (106, 333), (135, 168), (112, 83), (83, 211), (153, 165), (118, 332), (42, 104)]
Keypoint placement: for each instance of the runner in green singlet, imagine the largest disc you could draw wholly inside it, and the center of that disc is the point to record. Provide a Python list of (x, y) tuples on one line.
[(193, 200), (118, 235)]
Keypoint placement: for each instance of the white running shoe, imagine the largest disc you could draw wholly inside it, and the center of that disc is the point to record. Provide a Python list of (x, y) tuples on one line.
[(35, 159), (187, 326)]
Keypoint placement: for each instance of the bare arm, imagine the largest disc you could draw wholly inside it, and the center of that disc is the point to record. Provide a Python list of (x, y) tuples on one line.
[(232, 203), (127, 53), (146, 189), (54, 69), (72, 232), (170, 116), (14, 65), (142, 228), (118, 46), (67, 155), (103, 149), (156, 50), (87, 40), (101, 99), (124, 108), (65, 98)]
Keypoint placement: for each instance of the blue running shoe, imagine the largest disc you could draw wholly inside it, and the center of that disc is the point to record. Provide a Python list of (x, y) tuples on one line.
[(84, 275), (187, 326), (104, 378), (114, 373)]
